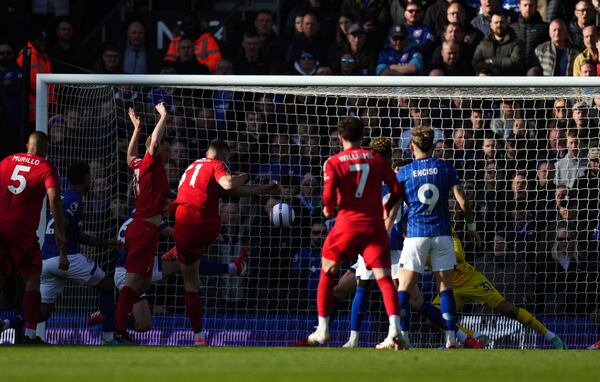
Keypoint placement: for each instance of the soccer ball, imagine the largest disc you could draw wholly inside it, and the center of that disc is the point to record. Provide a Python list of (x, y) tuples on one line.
[(282, 215)]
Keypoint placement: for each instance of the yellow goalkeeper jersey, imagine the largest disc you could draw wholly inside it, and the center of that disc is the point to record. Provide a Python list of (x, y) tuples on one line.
[(463, 270)]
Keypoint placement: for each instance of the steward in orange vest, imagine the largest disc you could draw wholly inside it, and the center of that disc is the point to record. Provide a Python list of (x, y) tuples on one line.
[(206, 48)]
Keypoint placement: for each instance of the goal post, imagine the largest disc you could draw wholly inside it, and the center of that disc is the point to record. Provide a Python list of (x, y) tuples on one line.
[(510, 138)]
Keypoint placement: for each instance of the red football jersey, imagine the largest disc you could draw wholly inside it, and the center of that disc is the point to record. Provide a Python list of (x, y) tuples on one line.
[(150, 185), (352, 180), (199, 186), (24, 179)]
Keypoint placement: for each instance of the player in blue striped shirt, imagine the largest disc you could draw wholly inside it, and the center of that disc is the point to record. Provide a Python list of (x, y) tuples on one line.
[(427, 182)]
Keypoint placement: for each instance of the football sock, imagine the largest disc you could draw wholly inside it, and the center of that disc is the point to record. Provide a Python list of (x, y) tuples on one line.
[(358, 307), (433, 314), (325, 294), (194, 310), (323, 324), (448, 308), (390, 298), (354, 336), (127, 298), (106, 303), (549, 335), (31, 308), (40, 330), (404, 298), (527, 319), (465, 330), (211, 268)]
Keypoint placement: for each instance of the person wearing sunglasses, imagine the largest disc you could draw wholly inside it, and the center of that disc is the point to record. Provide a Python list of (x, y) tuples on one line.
[(400, 57), (419, 34)]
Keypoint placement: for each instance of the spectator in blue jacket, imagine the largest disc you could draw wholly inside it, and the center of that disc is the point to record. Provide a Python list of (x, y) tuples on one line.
[(400, 58), (419, 34)]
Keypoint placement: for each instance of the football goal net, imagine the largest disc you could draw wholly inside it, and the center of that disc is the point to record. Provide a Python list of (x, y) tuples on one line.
[(526, 150)]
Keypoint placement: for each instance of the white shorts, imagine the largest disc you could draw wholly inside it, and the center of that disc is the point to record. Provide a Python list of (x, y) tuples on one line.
[(120, 273), (438, 249), (82, 270), (362, 273)]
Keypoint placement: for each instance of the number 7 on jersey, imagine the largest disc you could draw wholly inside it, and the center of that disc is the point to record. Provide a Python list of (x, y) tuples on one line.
[(363, 169)]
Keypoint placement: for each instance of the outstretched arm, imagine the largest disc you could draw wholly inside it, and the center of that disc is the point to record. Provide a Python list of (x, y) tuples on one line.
[(132, 149), (272, 188), (232, 182), (93, 241), (159, 130), (465, 206)]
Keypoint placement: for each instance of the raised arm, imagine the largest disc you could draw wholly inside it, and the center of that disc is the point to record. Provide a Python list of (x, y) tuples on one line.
[(132, 149), (55, 204), (159, 130), (465, 206)]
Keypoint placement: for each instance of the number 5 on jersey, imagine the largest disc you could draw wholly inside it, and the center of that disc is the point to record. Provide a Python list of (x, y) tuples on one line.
[(19, 178)]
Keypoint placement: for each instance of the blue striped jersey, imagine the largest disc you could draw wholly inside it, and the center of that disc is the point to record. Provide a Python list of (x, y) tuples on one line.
[(427, 183), (73, 211)]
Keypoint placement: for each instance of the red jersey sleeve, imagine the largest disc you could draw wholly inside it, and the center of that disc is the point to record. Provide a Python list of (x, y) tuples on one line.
[(330, 183), (52, 180), (147, 161), (220, 170)]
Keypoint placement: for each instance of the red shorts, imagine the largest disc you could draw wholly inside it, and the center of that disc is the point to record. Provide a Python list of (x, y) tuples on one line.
[(342, 246), (141, 243), (19, 247), (191, 239)]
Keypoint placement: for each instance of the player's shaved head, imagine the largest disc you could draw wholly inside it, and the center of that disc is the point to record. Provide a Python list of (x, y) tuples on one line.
[(422, 138), (38, 144), (218, 145), (383, 147), (351, 129), (218, 149)]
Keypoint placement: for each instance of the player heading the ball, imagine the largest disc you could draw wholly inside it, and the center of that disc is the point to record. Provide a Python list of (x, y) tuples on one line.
[(427, 182), (353, 179), (197, 220), (25, 179)]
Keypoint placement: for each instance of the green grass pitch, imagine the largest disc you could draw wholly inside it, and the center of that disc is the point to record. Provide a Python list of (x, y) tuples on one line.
[(111, 364)]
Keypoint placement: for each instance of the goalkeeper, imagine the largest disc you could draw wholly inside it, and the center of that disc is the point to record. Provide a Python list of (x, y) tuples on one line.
[(470, 284)]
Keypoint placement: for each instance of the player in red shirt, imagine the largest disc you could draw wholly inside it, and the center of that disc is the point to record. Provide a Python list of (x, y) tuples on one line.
[(197, 220), (352, 180), (150, 188), (25, 179)]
